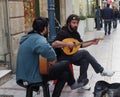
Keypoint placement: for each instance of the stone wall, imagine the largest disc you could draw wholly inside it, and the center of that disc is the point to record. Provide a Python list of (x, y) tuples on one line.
[(3, 31), (16, 22)]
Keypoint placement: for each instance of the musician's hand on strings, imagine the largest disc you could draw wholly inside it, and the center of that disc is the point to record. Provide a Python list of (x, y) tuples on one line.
[(69, 44)]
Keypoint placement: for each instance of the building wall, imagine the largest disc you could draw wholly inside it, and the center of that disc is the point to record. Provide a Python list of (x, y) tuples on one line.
[(16, 26), (43, 8), (3, 47)]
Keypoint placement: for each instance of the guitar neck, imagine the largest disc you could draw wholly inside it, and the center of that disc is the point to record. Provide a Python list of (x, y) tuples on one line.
[(100, 38)]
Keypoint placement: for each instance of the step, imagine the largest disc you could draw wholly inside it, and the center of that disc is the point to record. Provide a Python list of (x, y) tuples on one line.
[(5, 75)]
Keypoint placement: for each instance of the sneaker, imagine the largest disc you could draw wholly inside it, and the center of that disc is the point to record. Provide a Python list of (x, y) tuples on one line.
[(83, 81), (76, 85), (107, 73), (87, 87)]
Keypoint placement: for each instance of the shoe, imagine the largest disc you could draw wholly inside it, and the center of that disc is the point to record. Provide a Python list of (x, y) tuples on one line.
[(87, 87), (83, 81), (107, 73), (76, 85)]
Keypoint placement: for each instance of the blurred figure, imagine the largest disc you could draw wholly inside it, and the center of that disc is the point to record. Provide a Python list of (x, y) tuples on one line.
[(107, 15), (115, 16), (98, 18)]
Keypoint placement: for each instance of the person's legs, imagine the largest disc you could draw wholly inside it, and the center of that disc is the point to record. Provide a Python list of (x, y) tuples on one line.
[(105, 27), (101, 22), (88, 58), (60, 84), (62, 72), (109, 27), (83, 63), (115, 23), (96, 66), (58, 69)]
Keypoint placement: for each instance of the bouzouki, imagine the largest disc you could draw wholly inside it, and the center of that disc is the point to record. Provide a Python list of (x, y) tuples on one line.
[(43, 66), (71, 51)]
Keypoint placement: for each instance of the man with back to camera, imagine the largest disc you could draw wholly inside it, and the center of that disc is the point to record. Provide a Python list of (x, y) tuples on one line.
[(81, 58), (107, 16), (34, 44)]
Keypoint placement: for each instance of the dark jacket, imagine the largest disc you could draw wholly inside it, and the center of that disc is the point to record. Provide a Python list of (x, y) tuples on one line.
[(107, 13)]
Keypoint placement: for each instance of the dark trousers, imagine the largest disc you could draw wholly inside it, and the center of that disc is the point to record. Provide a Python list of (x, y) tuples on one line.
[(83, 58), (115, 23), (107, 27), (62, 72)]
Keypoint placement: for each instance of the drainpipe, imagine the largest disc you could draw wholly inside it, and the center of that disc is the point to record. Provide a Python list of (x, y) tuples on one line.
[(51, 16)]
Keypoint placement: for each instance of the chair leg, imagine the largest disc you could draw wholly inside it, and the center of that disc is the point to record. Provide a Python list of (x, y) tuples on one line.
[(46, 91), (29, 92)]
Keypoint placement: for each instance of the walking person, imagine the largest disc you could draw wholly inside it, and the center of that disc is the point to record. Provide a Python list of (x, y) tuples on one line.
[(107, 15), (98, 18), (33, 45), (80, 58), (115, 17)]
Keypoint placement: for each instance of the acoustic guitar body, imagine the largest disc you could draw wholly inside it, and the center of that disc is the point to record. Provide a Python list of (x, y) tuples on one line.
[(43, 65), (70, 51)]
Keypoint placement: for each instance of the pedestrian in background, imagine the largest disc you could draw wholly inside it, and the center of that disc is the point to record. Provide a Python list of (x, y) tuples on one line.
[(98, 18), (115, 16), (107, 15)]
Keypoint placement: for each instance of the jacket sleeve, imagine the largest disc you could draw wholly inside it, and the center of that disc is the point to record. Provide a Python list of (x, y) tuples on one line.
[(42, 47)]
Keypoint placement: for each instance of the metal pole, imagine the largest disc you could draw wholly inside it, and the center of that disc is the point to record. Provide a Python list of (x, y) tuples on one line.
[(51, 15)]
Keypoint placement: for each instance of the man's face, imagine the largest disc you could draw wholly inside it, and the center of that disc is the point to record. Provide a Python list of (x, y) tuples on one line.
[(73, 25)]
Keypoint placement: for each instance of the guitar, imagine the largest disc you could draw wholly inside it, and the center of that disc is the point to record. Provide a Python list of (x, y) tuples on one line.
[(71, 51), (43, 66)]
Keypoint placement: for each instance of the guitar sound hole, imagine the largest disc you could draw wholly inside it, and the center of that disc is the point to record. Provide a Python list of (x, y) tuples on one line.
[(71, 49)]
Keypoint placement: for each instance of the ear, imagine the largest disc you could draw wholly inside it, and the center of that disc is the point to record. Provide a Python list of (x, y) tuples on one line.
[(44, 31)]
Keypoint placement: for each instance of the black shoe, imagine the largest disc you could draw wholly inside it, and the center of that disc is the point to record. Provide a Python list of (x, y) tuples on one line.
[(83, 81)]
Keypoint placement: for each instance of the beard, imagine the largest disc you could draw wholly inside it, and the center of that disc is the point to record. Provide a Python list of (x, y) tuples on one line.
[(74, 29)]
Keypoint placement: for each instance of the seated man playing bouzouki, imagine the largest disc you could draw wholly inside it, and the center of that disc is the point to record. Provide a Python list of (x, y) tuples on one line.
[(82, 58), (33, 45)]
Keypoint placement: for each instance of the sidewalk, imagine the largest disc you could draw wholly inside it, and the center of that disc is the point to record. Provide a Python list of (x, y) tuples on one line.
[(107, 53)]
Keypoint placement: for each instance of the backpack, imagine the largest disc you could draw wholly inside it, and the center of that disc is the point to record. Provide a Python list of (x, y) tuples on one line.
[(105, 89)]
